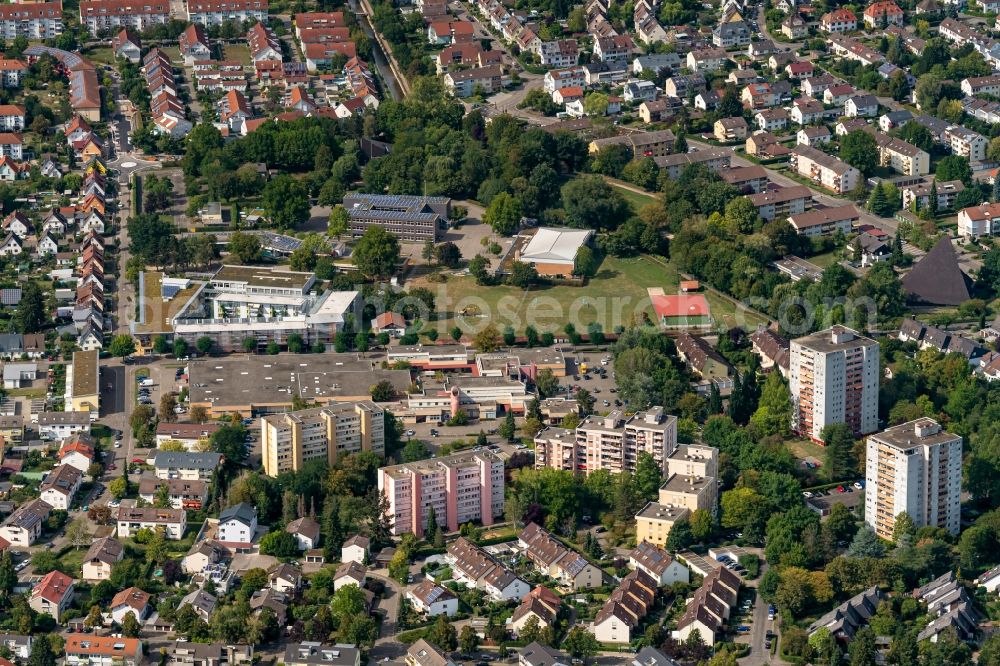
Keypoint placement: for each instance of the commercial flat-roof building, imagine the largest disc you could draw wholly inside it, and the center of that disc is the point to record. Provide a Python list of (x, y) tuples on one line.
[(255, 385), (411, 218), (552, 251), (460, 488), (265, 304), (293, 439), (83, 390), (914, 467), (833, 378)]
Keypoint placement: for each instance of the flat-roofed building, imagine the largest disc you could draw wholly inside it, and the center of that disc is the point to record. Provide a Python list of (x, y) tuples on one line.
[(459, 488), (186, 653), (131, 519), (833, 378), (293, 439), (412, 219), (914, 467), (191, 435), (316, 654), (83, 380)]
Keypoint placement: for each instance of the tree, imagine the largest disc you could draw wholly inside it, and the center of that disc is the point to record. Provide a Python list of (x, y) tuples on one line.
[(591, 203), (77, 534), (585, 263), (508, 429), (487, 340), (862, 648), (547, 383), (118, 487), (504, 214), (443, 634), (122, 346), (522, 275), (279, 544), (376, 254), (580, 643), (860, 150), (954, 167), (338, 223), (41, 652), (774, 410), (866, 544), (741, 215), (595, 104), (415, 450), (286, 201), (647, 476), (468, 639), (448, 254), (130, 626), (168, 402), (702, 525), (30, 315), (245, 247), (204, 345), (180, 348), (839, 450), (878, 203)]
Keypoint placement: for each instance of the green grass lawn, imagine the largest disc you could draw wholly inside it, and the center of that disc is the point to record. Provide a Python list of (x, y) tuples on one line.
[(102, 54), (238, 52), (615, 296), (72, 560), (826, 259), (636, 200)]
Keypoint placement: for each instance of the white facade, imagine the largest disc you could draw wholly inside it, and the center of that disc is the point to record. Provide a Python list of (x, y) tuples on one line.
[(833, 378), (915, 467)]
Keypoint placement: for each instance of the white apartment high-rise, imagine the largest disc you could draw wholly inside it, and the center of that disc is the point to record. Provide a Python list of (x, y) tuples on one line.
[(915, 467), (833, 378)]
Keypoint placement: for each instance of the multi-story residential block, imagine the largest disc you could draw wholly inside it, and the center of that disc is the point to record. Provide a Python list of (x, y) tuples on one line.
[(217, 12), (976, 85), (730, 129), (93, 650), (460, 488), (293, 439), (186, 465), (831, 172), (612, 442), (19, 645), (24, 526), (83, 379), (106, 15), (965, 143), (782, 202), (564, 78), (920, 193), (731, 33), (60, 485), (414, 219), (35, 20), (674, 165), (914, 467), (465, 82), (559, 53), (833, 378), (12, 72), (131, 519), (616, 48), (825, 221)]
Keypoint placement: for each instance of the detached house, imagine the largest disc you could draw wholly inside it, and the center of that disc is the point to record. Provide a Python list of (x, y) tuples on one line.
[(130, 600), (839, 20), (237, 526), (52, 595), (102, 555), (882, 14)]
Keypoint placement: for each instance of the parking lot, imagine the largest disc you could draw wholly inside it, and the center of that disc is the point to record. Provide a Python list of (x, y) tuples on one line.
[(850, 495)]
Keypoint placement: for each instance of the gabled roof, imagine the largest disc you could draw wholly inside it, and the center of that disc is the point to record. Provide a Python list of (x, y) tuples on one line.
[(53, 587), (132, 597), (241, 512)]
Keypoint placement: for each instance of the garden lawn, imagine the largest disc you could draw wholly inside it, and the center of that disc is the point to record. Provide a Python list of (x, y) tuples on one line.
[(826, 259), (636, 200), (72, 560)]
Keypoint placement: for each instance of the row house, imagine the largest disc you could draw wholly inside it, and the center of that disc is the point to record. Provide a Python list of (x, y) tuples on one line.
[(647, 27), (127, 44), (263, 44), (710, 607), (960, 34), (852, 49), (217, 12), (976, 85), (782, 202), (194, 44), (475, 568), (831, 172), (233, 110), (625, 608), (103, 15), (551, 558)]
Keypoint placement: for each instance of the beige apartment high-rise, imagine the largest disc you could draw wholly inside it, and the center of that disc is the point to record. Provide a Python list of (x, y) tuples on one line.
[(290, 440), (915, 467), (833, 378)]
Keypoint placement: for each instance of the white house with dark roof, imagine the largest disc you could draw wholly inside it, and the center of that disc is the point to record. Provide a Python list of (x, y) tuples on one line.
[(306, 532), (237, 525), (356, 549), (658, 563), (432, 599)]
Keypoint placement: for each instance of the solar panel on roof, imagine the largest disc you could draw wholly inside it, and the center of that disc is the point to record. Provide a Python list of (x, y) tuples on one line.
[(169, 290)]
